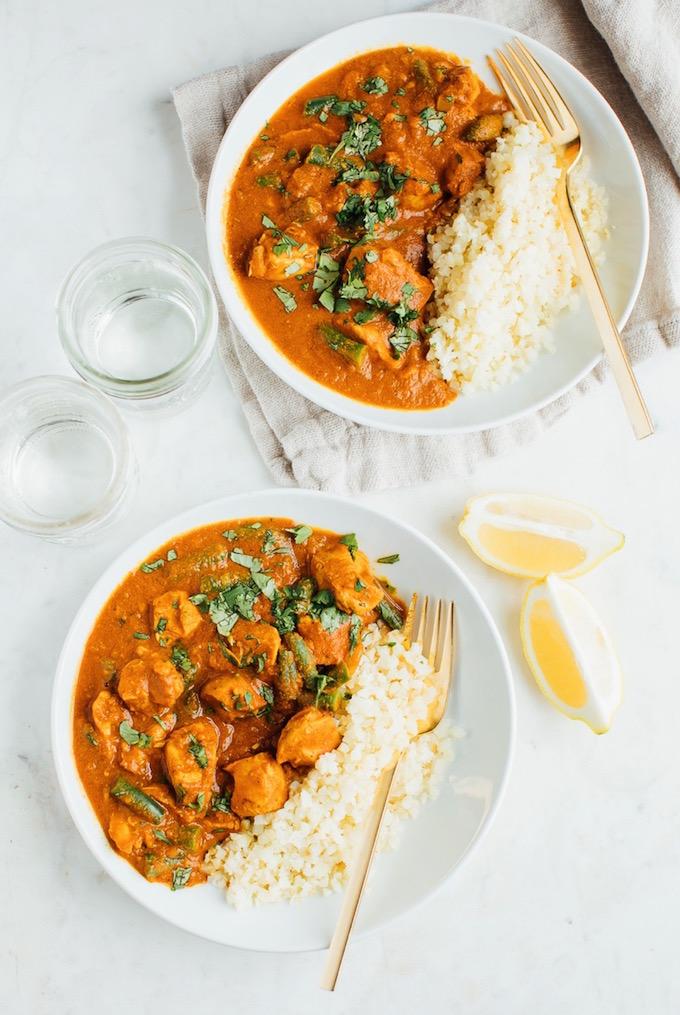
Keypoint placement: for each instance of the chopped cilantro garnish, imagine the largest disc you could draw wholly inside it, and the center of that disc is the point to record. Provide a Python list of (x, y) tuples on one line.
[(264, 583), (392, 558), (361, 137), (285, 242), (154, 566), (350, 541), (432, 121), (301, 533), (392, 617), (354, 629), (140, 636), (245, 560), (331, 104), (198, 751), (222, 803), (325, 278), (180, 659), (172, 555), (354, 288), (180, 878), (132, 736), (286, 297), (269, 542), (375, 86)]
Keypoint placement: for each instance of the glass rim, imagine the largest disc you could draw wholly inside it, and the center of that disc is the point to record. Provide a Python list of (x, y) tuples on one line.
[(122, 473), (157, 384)]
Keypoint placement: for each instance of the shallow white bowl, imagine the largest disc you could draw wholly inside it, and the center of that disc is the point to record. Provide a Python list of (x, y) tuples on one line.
[(434, 844), (613, 164)]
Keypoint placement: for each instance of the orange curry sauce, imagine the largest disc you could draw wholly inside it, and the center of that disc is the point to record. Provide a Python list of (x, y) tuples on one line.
[(326, 221)]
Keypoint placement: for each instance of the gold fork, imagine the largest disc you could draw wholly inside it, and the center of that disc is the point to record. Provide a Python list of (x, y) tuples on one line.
[(535, 97), (435, 632)]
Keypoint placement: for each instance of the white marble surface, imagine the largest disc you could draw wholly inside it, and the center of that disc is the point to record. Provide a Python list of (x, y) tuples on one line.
[(570, 904)]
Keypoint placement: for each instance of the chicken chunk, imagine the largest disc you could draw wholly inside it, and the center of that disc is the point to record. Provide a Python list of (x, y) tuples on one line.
[(463, 169), (126, 831), (135, 759), (191, 760), (376, 335), (278, 260), (236, 695), (149, 682), (387, 272), (260, 785), (254, 643), (417, 193), (462, 83), (328, 647), (174, 616), (305, 737), (349, 578), (159, 733), (108, 713), (302, 139)]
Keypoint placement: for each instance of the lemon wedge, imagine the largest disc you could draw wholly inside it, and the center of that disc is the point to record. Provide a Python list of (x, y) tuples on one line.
[(570, 654), (530, 536)]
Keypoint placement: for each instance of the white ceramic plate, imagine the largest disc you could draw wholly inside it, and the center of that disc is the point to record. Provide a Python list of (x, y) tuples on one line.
[(613, 164), (434, 844)]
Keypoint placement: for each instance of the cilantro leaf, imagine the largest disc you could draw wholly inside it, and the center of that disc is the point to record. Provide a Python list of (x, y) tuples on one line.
[(390, 615), (180, 878), (375, 86), (350, 541), (154, 566), (286, 297), (433, 122), (198, 751), (132, 736)]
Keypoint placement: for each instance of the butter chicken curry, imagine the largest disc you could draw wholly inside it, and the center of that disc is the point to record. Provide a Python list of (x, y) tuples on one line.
[(211, 679), (327, 218)]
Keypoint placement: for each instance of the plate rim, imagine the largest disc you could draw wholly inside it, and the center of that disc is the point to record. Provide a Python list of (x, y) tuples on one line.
[(335, 401), (63, 687)]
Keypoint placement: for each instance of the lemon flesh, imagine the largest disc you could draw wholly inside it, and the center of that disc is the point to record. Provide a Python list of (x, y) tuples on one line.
[(532, 537), (570, 653)]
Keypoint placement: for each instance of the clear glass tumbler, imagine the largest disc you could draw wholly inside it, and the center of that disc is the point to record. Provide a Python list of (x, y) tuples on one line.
[(66, 463), (138, 319)]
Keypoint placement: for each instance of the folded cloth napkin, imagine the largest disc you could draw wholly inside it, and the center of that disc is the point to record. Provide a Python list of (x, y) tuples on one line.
[(631, 53)]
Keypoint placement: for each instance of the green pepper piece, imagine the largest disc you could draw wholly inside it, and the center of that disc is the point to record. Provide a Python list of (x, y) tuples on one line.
[(351, 350), (137, 800)]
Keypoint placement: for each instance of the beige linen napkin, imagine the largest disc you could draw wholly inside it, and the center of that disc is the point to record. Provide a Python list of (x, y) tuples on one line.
[(635, 63)]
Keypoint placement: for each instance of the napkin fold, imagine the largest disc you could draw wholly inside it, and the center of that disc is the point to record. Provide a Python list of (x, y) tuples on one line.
[(631, 53)]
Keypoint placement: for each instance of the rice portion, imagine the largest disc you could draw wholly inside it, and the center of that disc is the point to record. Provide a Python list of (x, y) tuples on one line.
[(304, 848), (502, 268)]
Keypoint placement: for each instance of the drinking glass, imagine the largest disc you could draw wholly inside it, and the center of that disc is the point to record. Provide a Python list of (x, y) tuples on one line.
[(66, 463), (138, 319)]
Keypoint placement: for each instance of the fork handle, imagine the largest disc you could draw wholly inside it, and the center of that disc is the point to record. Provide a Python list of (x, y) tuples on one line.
[(614, 348), (357, 879)]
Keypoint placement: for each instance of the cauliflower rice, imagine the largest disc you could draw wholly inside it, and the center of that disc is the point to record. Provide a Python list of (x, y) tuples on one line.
[(501, 267), (304, 848)]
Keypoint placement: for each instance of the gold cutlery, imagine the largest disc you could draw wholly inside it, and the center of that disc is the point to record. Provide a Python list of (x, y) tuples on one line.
[(535, 97), (434, 630)]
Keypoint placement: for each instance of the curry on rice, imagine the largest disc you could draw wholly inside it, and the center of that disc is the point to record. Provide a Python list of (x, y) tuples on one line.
[(211, 680)]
